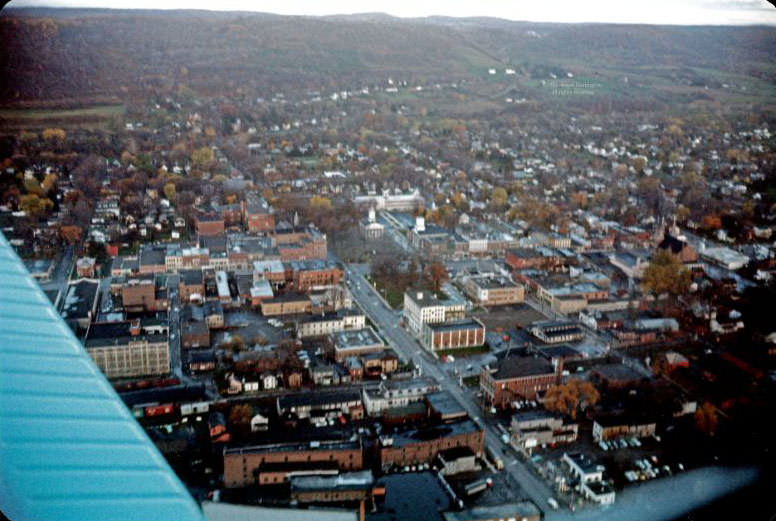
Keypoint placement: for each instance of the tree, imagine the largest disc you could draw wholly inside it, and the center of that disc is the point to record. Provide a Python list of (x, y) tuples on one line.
[(498, 197), (706, 418), (437, 272), (240, 415), (572, 397), (202, 157), (54, 135), (169, 191), (35, 206), (71, 234), (665, 274), (318, 202)]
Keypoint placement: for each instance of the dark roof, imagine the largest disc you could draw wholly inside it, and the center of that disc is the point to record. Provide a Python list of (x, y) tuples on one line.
[(80, 299), (432, 433), (318, 398), (616, 372), (456, 325), (610, 420), (520, 366), (445, 404), (172, 394), (672, 243), (190, 277)]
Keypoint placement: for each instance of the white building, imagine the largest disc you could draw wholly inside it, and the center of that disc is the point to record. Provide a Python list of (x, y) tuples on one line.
[(422, 307)]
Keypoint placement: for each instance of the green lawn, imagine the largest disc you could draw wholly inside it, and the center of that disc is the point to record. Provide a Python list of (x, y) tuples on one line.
[(393, 296)]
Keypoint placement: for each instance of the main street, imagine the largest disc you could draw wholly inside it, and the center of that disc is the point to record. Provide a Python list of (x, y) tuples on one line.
[(386, 321)]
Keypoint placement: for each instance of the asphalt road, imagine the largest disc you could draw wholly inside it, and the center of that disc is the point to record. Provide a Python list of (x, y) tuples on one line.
[(386, 320)]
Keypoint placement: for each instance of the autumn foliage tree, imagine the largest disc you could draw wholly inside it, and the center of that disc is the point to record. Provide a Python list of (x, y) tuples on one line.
[(665, 275), (571, 398), (71, 234), (35, 206), (706, 418), (437, 273)]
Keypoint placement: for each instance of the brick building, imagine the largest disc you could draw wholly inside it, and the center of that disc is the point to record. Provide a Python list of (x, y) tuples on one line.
[(191, 284), (518, 377), (258, 214), (423, 445), (209, 224), (273, 463), (467, 332), (288, 304)]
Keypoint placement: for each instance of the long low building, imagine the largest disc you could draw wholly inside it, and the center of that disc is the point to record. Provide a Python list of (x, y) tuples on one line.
[(617, 426), (125, 349), (467, 332), (536, 428), (356, 342), (349, 486), (423, 445), (306, 404), (243, 465)]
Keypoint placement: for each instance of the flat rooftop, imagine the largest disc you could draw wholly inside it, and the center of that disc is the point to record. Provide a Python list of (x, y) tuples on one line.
[(295, 447), (456, 325), (356, 338), (518, 510)]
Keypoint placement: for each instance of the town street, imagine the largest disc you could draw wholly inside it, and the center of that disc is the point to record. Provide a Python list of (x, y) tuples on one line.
[(387, 322)]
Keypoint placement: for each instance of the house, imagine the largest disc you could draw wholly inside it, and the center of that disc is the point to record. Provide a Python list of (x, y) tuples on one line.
[(269, 381), (201, 360)]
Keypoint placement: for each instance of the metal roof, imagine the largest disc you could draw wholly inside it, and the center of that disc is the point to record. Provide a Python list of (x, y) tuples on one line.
[(70, 447)]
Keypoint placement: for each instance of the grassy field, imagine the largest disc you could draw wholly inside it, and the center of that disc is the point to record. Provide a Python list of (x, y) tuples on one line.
[(32, 118)]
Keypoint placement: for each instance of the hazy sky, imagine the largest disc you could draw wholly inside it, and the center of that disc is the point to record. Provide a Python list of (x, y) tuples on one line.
[(622, 11)]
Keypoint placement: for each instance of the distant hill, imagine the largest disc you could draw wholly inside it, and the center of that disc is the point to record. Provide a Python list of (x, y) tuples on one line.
[(90, 54)]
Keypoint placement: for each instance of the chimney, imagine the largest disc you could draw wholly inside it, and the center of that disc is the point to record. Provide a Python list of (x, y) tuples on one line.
[(134, 327)]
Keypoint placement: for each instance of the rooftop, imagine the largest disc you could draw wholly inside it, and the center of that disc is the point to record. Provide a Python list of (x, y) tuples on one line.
[(519, 510), (456, 325), (521, 366), (356, 338)]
